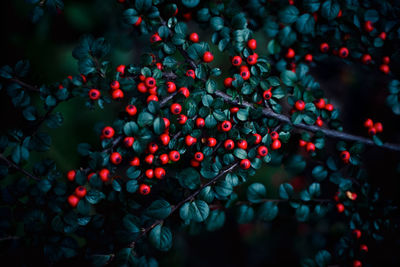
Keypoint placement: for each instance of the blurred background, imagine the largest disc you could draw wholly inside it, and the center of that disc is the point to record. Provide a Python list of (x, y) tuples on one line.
[(357, 91)]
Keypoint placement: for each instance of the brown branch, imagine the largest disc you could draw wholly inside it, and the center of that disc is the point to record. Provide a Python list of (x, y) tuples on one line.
[(317, 200), (23, 84), (18, 168)]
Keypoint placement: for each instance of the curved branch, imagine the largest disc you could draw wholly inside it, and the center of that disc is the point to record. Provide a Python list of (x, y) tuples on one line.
[(18, 168)]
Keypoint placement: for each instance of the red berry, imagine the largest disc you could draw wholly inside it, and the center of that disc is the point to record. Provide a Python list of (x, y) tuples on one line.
[(115, 85), (194, 37), (159, 65), (174, 155), (73, 201), (194, 163), (245, 164), (155, 38), (386, 60), (71, 175), (228, 82), (171, 87), (208, 57), (135, 162), (159, 173), (152, 147), (252, 44), (190, 140), (340, 207), (236, 61), (324, 47), (229, 144), (234, 110), (339, 15), (329, 107), (384, 68), (182, 119), (245, 73), (267, 94), (176, 108), (320, 103), (357, 263), (198, 156), (184, 91), (357, 233), (200, 122), (116, 158), (121, 69), (308, 58), (141, 87), (276, 144), (290, 53), (149, 159), (226, 126), (166, 122), (211, 142), (138, 21), (319, 122), (165, 139), (128, 141), (345, 156), (108, 132), (302, 143), (131, 110), (310, 147), (144, 189), (94, 94), (80, 191), (104, 175), (251, 60), (150, 82), (343, 52), (364, 248), (242, 144), (372, 131), (149, 173), (300, 105), (274, 135), (191, 73), (117, 94), (378, 127), (258, 138), (368, 26), (262, 151), (366, 59), (382, 35), (90, 175), (164, 159)]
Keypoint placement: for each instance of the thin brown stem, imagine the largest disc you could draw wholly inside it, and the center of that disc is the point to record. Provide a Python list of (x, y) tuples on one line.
[(18, 168)]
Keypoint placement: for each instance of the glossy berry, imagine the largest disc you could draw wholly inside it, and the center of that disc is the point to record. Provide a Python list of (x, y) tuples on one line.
[(368, 26), (228, 82), (115, 85), (329, 107), (138, 22), (149, 173), (80, 191), (200, 123), (152, 147), (252, 44), (308, 58), (345, 156), (121, 69), (262, 151), (90, 175), (251, 60), (166, 122), (245, 73), (191, 73), (94, 94), (302, 143), (73, 201), (357, 263), (194, 163), (194, 37), (135, 161), (372, 131), (198, 156), (184, 91), (320, 103), (267, 94), (131, 110), (343, 52), (364, 247), (104, 175), (174, 155), (384, 68), (234, 110), (190, 140), (310, 147), (276, 144), (176, 108), (144, 189), (324, 47), (128, 141), (159, 65), (171, 87), (182, 119), (108, 132), (378, 127), (258, 138), (71, 175), (165, 139), (236, 61), (211, 142), (141, 87), (340, 207), (290, 53), (366, 59), (117, 94), (319, 122), (149, 159), (245, 164), (357, 233), (116, 158), (386, 60), (300, 105), (208, 57), (164, 159), (274, 135), (159, 173), (382, 35), (152, 98), (155, 38), (229, 144), (242, 144), (150, 82), (226, 126)]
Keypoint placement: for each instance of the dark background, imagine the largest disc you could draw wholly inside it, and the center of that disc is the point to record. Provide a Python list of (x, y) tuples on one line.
[(357, 91)]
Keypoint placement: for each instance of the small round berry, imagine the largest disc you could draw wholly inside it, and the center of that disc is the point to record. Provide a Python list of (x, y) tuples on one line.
[(378, 127), (357, 233), (141, 87), (182, 119), (152, 147), (324, 47), (159, 173), (228, 82), (245, 164), (176, 108), (149, 159), (364, 247), (310, 147), (104, 175), (258, 138), (190, 140), (116, 158), (245, 73), (94, 94), (290, 53), (226, 126), (184, 91), (345, 156), (144, 189), (155, 38), (90, 175), (211, 142), (262, 151), (368, 26), (366, 59), (236, 61), (319, 122), (208, 57), (384, 68), (300, 105), (171, 87), (117, 94), (138, 22), (242, 144), (191, 73), (165, 139), (166, 122), (164, 159), (267, 94), (234, 110), (108, 132), (128, 141), (320, 103), (198, 156), (302, 143), (274, 135), (71, 175), (200, 123), (343, 52), (131, 110), (159, 65), (194, 37), (386, 60), (150, 82), (80, 191), (308, 58), (229, 144), (251, 60), (149, 173), (252, 44), (276, 144), (115, 85), (73, 201), (340, 207), (329, 107), (372, 131), (357, 263), (382, 35), (174, 155), (135, 162), (121, 69)]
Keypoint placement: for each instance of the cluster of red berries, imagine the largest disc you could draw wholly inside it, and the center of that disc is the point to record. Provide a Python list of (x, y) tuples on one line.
[(79, 192), (310, 146), (373, 128), (243, 69), (363, 247), (350, 195)]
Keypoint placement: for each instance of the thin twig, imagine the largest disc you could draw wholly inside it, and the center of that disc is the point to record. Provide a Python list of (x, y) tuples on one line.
[(23, 84), (18, 168)]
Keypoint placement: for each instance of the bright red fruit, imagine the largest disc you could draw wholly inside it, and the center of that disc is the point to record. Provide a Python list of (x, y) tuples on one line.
[(73, 201)]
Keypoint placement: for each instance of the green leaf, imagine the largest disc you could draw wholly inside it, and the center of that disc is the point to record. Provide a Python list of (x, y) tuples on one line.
[(132, 186), (256, 192), (314, 189), (145, 118), (211, 86), (285, 191), (159, 209), (305, 24), (216, 23), (197, 210), (189, 178), (240, 153), (319, 173), (245, 214), (268, 211), (322, 258), (130, 128), (242, 114), (289, 14), (161, 238), (302, 213), (133, 172), (207, 100), (190, 3), (210, 121), (94, 196), (158, 126), (288, 77), (215, 220), (330, 9)]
